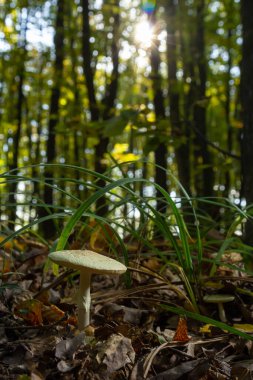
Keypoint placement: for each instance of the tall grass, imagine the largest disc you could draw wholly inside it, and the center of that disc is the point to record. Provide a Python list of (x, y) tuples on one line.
[(130, 215)]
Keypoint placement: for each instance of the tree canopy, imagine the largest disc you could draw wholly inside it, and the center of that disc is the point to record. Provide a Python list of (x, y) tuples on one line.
[(98, 83)]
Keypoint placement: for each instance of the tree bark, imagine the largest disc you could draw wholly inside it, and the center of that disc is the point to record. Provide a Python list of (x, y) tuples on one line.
[(13, 164), (108, 112), (205, 181), (228, 108), (158, 100), (247, 111), (180, 131), (87, 62), (48, 227), (110, 92), (37, 188), (76, 112)]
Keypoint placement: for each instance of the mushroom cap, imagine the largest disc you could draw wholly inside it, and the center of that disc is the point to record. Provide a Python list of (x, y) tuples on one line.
[(89, 260), (216, 298)]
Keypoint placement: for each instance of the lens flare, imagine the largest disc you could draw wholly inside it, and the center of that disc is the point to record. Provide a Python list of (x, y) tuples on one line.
[(144, 34), (148, 6)]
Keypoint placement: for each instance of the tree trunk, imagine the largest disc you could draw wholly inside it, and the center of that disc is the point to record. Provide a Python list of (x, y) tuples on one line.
[(13, 164), (204, 181), (76, 113), (48, 227), (158, 99), (39, 117), (180, 130), (228, 108), (87, 64), (247, 111), (108, 104), (110, 92)]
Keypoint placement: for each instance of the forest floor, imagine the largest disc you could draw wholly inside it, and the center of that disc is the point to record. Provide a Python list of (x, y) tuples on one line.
[(131, 335)]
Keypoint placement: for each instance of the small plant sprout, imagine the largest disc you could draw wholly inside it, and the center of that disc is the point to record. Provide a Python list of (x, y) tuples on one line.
[(219, 299), (88, 262)]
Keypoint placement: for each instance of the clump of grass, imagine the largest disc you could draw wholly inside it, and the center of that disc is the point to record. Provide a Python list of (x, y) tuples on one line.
[(130, 214)]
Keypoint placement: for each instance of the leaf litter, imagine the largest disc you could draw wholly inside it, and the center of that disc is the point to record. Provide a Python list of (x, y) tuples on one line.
[(130, 337)]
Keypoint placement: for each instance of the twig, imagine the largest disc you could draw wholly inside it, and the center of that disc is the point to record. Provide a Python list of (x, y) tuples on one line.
[(37, 327), (55, 283)]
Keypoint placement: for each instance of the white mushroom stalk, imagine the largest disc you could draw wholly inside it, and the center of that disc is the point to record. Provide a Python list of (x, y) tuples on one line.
[(88, 262), (84, 300)]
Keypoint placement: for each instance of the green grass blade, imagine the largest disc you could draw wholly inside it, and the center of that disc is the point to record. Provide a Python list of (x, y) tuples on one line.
[(207, 320)]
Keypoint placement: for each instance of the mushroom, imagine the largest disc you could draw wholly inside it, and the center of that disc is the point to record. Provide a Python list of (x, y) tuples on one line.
[(220, 299), (88, 262)]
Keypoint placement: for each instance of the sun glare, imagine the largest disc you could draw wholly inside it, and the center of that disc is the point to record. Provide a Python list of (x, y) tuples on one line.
[(144, 34)]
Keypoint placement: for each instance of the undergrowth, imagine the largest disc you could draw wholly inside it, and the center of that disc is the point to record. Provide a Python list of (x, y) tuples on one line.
[(180, 236)]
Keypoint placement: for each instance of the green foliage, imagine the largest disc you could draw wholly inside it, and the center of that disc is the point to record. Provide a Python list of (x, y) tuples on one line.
[(27, 69), (136, 216), (135, 95), (204, 319)]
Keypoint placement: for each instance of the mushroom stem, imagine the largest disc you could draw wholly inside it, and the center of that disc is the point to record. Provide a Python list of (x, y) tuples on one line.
[(222, 313), (84, 300), (87, 262)]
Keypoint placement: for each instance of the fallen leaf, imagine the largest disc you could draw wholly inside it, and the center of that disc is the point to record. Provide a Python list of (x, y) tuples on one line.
[(178, 371), (5, 263), (65, 349), (30, 310), (64, 366), (8, 245), (102, 236), (244, 327), (126, 314), (181, 334), (116, 353), (152, 264), (206, 329), (51, 314)]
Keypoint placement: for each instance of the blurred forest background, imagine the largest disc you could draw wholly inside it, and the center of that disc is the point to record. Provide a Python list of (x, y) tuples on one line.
[(125, 88)]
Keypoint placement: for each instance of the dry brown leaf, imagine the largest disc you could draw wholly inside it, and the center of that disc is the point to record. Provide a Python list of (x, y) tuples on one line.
[(101, 237), (5, 263), (8, 245), (30, 311), (181, 334), (51, 314), (65, 349), (116, 353)]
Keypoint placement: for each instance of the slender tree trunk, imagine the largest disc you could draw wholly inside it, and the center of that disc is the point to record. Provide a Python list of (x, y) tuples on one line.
[(48, 226), (180, 130), (204, 182), (87, 62), (228, 108), (158, 99), (39, 112), (186, 33), (110, 92), (13, 164), (247, 102), (2, 80), (89, 72), (79, 159), (108, 105)]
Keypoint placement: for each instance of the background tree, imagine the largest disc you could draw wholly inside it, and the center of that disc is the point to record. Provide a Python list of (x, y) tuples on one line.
[(106, 109), (54, 116), (204, 177), (179, 128), (247, 111), (175, 104), (160, 151)]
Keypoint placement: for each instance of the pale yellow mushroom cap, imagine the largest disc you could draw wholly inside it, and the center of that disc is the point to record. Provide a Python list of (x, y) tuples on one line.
[(217, 298), (89, 260)]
